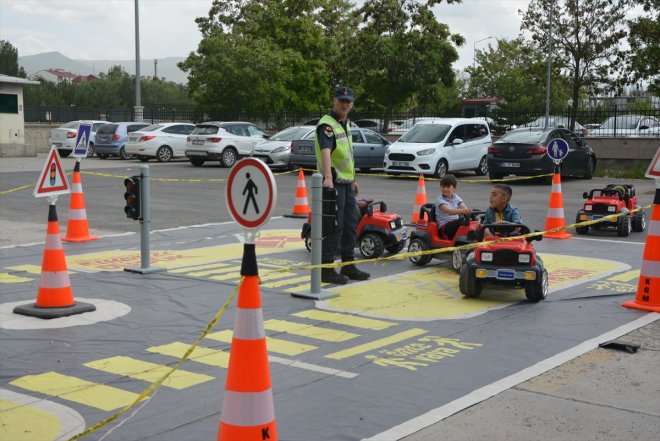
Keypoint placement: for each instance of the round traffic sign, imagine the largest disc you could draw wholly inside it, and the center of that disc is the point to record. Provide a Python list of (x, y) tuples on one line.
[(251, 193), (557, 149)]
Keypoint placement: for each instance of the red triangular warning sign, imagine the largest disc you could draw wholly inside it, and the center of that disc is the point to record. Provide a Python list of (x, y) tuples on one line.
[(52, 180)]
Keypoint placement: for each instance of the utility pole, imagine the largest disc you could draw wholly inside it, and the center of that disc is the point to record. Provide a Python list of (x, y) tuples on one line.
[(155, 69), (138, 104), (549, 67)]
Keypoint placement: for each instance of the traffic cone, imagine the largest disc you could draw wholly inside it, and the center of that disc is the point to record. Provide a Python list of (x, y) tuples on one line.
[(54, 297), (301, 204), (420, 199), (555, 217), (247, 410), (77, 229), (648, 288)]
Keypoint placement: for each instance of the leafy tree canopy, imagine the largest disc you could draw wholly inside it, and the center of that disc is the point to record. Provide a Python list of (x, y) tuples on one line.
[(644, 38), (9, 60)]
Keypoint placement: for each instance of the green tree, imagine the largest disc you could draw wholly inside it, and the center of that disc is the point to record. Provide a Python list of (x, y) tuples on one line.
[(644, 36), (586, 40), (9, 60)]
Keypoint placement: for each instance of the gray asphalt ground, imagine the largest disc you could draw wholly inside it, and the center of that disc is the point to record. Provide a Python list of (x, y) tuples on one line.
[(604, 394)]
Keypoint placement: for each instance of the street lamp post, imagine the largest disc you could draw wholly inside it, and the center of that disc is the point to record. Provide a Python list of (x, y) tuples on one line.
[(474, 50)]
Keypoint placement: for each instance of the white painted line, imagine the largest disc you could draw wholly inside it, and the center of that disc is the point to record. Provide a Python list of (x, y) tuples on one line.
[(609, 240), (438, 414), (71, 422), (311, 367)]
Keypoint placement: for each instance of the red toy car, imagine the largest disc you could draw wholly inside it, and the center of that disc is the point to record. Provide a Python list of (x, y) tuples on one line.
[(613, 199), (426, 237), (509, 263), (377, 231)]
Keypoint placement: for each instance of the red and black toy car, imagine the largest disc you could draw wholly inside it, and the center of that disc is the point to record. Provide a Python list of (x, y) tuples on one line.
[(426, 237), (377, 231), (510, 263), (613, 199)]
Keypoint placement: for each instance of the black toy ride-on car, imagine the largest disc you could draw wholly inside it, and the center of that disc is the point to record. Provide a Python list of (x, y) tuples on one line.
[(613, 199), (377, 232), (427, 237), (509, 263)]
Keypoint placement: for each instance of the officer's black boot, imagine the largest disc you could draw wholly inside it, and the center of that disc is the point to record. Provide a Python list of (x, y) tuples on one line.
[(329, 275), (352, 272)]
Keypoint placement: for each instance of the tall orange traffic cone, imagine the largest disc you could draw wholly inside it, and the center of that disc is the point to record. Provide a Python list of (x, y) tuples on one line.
[(247, 411), (301, 204), (648, 288), (420, 199), (54, 297), (77, 229), (555, 217)]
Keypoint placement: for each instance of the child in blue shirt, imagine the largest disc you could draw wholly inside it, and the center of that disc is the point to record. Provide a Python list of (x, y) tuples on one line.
[(449, 207), (500, 209)]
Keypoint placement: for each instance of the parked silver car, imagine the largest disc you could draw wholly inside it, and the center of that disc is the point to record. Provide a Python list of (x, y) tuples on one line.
[(64, 137), (222, 141)]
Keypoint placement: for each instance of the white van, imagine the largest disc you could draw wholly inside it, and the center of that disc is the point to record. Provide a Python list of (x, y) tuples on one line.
[(435, 147)]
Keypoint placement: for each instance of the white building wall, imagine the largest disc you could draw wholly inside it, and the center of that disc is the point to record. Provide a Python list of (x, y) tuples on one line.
[(12, 125)]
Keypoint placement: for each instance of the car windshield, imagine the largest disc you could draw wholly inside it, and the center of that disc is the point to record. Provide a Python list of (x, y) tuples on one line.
[(205, 130), (621, 122), (553, 121), (426, 133), (151, 128), (71, 125), (289, 134), (107, 129), (523, 137)]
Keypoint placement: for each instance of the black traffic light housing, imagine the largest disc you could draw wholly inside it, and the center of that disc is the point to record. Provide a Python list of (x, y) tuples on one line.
[(132, 197)]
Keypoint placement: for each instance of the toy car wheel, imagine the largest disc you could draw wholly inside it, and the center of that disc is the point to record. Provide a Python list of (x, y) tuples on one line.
[(457, 259), (308, 242), (583, 229), (396, 248), (639, 221), (537, 290), (417, 245), (623, 226), (371, 246), (469, 286)]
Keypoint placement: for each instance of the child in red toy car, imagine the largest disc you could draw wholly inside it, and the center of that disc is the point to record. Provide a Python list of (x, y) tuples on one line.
[(449, 207), (500, 210)]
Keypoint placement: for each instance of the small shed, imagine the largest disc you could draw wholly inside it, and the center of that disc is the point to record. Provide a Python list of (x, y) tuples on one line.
[(12, 119)]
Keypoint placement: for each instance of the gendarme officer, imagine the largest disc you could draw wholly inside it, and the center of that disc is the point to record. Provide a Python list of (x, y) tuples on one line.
[(334, 159)]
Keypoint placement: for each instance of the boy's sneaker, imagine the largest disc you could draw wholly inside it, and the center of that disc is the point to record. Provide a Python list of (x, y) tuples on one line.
[(353, 273), (329, 275)]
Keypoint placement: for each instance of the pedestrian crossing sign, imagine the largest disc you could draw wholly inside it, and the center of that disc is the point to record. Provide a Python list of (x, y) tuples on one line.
[(82, 140)]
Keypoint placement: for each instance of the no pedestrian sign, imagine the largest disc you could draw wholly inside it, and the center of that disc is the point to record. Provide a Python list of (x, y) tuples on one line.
[(52, 180), (251, 193)]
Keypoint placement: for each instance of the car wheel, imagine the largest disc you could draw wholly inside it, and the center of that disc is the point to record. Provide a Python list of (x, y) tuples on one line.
[(396, 248), (122, 154), (371, 246), (196, 162), (623, 226), (457, 259), (482, 169), (90, 150), (441, 168), (164, 154), (415, 246), (537, 290), (229, 156), (102, 156), (469, 286), (64, 153), (365, 169), (639, 221), (589, 170), (495, 176), (143, 158)]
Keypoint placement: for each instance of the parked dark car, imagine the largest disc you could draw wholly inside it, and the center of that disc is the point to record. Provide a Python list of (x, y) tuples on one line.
[(368, 150), (523, 152), (111, 138)]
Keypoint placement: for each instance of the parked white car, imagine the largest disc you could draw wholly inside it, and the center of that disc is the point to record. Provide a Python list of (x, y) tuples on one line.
[(64, 137), (161, 141), (628, 125), (276, 150), (437, 146), (222, 141)]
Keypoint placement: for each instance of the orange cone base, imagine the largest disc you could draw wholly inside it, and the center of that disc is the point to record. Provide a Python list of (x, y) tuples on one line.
[(562, 234), (633, 304), (228, 432), (79, 239), (51, 313)]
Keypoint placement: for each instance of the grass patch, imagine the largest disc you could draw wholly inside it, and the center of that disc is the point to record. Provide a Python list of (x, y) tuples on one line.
[(627, 169)]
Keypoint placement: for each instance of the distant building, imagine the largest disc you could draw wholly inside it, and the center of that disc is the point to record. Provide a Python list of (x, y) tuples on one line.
[(84, 78), (12, 119), (55, 75), (479, 106)]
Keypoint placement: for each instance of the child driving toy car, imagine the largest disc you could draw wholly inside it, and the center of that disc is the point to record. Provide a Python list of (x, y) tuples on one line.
[(500, 210), (450, 208)]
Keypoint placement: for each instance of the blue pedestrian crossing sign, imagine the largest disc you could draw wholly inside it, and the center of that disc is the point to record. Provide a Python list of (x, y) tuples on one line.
[(82, 140), (557, 149)]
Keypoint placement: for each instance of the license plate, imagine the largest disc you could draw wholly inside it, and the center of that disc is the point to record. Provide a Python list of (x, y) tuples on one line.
[(510, 164), (198, 142), (304, 149), (57, 144), (400, 163), (506, 275), (597, 216), (402, 236), (132, 139)]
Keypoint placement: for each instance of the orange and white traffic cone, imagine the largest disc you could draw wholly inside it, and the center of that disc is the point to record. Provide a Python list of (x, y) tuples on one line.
[(648, 288), (248, 412), (55, 296), (555, 217), (420, 199), (77, 229), (301, 204)]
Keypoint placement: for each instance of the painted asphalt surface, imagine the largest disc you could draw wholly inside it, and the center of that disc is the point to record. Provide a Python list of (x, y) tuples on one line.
[(376, 362)]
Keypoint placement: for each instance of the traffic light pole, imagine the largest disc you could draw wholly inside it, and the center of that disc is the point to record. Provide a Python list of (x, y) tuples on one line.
[(145, 220)]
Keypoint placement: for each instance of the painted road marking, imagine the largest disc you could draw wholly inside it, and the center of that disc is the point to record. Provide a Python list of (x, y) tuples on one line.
[(273, 344), (77, 390), (150, 372), (376, 344), (198, 267), (211, 357), (310, 331), (30, 269), (12, 278), (305, 287), (345, 319), (625, 277), (291, 281), (312, 367)]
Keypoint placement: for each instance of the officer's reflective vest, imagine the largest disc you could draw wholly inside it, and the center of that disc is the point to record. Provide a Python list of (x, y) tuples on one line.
[(342, 156)]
